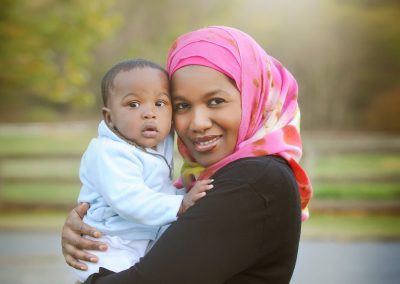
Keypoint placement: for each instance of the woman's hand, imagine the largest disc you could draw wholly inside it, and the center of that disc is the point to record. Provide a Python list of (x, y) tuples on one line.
[(74, 244)]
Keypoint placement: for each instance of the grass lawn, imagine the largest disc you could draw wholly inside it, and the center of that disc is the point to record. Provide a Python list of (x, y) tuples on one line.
[(318, 227), (44, 143), (357, 164), (357, 191), (67, 193), (34, 180), (40, 168), (352, 227), (38, 220), (40, 193)]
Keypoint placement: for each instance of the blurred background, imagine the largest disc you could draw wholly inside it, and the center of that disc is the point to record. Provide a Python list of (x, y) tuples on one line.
[(345, 56)]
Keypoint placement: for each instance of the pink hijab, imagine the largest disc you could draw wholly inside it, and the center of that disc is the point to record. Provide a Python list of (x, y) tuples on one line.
[(270, 113)]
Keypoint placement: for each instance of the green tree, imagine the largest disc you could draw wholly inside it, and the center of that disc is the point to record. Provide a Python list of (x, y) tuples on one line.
[(45, 51)]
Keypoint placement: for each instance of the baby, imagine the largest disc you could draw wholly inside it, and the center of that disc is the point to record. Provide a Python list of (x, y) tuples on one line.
[(126, 171)]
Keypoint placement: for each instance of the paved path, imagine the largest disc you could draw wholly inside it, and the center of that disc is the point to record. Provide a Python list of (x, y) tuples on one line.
[(27, 258), (330, 262)]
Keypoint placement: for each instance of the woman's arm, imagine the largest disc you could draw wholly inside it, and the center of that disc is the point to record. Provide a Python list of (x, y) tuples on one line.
[(73, 244), (208, 244), (245, 230)]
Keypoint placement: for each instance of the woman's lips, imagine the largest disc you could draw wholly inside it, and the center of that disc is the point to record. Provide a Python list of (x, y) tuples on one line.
[(205, 144)]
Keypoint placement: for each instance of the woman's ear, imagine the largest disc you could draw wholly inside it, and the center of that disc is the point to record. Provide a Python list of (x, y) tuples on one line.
[(107, 116)]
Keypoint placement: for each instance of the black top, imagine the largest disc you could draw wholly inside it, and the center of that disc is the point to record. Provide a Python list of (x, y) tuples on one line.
[(245, 230)]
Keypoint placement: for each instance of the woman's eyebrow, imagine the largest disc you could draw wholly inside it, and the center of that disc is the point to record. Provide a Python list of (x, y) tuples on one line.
[(206, 95), (175, 98), (213, 92)]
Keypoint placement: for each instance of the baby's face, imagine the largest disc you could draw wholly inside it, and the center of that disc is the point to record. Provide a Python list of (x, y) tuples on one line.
[(139, 106)]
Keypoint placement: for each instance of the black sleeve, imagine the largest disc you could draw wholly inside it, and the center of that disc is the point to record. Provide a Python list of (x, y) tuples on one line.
[(246, 230)]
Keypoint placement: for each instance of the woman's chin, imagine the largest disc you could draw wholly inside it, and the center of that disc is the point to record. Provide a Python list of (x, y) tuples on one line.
[(206, 160)]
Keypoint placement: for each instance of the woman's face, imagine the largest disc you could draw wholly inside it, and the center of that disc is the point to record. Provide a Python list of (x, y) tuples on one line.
[(207, 112)]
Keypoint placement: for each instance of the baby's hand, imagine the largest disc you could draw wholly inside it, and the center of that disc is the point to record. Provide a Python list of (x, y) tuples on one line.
[(197, 192)]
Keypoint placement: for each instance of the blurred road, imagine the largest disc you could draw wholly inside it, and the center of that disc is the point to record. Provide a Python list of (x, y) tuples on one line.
[(342, 262), (27, 257)]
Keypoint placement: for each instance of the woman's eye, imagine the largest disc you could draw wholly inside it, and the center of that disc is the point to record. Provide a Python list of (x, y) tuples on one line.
[(180, 106), (215, 101), (134, 104)]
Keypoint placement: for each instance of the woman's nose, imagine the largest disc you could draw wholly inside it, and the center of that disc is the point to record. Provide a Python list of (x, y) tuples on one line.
[(200, 121)]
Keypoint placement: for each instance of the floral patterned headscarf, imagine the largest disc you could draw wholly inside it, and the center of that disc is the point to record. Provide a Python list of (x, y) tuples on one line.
[(270, 113)]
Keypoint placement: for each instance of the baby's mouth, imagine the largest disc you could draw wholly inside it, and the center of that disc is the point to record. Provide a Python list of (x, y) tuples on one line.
[(150, 131)]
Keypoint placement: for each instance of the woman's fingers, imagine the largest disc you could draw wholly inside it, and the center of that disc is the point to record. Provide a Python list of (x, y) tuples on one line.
[(72, 261), (74, 221), (71, 237), (74, 244), (85, 229), (87, 244), (81, 209), (72, 249)]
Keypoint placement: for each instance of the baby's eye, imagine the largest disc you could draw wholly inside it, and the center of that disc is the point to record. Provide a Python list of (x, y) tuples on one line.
[(215, 101), (161, 103), (134, 104)]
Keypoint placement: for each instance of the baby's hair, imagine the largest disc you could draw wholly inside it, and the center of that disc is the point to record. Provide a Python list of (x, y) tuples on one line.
[(126, 65)]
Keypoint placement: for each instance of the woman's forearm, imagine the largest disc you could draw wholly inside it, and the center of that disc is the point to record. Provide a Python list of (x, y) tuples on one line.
[(208, 244)]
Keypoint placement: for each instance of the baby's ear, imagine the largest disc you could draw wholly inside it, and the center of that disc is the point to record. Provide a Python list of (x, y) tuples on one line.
[(107, 116)]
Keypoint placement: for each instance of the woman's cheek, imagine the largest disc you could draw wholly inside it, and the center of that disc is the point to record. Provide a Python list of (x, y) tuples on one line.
[(179, 122)]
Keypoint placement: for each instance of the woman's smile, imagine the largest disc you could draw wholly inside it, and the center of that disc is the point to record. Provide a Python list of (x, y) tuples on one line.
[(206, 143)]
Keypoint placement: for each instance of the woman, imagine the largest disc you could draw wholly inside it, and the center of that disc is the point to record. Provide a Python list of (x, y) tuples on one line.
[(237, 117)]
